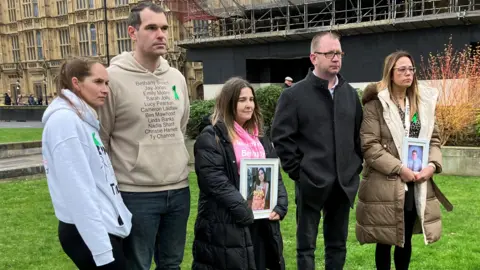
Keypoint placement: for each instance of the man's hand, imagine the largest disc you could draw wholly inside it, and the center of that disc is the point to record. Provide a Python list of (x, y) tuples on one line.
[(274, 216), (425, 174), (407, 175)]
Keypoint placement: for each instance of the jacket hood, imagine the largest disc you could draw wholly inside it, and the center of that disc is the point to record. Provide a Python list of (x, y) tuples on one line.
[(370, 93), (206, 121), (86, 113), (127, 62)]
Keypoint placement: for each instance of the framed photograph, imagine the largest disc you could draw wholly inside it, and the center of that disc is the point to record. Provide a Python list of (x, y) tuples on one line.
[(415, 153), (259, 185)]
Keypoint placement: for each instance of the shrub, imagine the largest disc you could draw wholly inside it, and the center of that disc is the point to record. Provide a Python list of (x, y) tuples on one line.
[(198, 110), (267, 98), (455, 74), (360, 95), (477, 126)]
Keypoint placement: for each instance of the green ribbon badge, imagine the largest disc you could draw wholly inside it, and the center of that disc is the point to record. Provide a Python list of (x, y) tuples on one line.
[(97, 143), (415, 118), (174, 88)]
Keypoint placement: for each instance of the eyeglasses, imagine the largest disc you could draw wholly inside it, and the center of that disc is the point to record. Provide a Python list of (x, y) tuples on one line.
[(405, 69), (330, 55)]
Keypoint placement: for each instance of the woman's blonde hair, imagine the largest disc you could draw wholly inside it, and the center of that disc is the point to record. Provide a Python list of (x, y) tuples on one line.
[(226, 107), (387, 79)]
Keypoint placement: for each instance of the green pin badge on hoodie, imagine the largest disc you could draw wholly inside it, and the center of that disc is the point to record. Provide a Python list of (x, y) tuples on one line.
[(174, 88), (97, 143)]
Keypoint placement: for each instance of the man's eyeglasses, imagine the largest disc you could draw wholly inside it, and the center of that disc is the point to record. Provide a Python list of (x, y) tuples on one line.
[(405, 69), (330, 55)]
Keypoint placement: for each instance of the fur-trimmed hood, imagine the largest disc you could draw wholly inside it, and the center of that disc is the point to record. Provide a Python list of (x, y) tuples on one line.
[(370, 93)]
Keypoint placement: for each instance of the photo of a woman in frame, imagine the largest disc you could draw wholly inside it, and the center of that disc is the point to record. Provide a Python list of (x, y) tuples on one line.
[(259, 191)]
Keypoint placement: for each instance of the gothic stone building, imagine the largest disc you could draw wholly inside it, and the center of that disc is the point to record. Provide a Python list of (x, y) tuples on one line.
[(37, 35)]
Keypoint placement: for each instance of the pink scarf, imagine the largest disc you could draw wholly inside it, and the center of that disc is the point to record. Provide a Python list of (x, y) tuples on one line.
[(247, 145)]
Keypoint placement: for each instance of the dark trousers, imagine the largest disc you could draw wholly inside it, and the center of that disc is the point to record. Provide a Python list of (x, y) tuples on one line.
[(401, 255), (266, 255), (74, 246), (159, 228), (336, 211)]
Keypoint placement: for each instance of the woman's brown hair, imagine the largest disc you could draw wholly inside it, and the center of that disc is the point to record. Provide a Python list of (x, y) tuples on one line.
[(75, 67), (226, 107), (387, 79)]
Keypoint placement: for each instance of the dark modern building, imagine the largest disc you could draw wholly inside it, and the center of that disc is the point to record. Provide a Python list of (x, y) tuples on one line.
[(269, 41)]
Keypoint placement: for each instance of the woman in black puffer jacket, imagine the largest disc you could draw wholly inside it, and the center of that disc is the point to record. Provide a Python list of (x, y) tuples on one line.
[(226, 234)]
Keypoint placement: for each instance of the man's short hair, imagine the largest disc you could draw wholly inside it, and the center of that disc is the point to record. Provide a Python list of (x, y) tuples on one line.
[(414, 151), (317, 37), (134, 18)]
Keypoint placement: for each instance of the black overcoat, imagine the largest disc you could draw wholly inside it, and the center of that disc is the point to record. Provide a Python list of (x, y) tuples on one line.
[(317, 137), (225, 224)]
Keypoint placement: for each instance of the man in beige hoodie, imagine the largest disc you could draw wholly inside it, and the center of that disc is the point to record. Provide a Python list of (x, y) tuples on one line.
[(143, 125)]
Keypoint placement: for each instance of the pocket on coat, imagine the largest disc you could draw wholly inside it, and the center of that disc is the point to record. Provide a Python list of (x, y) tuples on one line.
[(160, 162)]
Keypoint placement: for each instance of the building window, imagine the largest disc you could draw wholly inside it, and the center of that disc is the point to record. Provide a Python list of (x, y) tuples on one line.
[(84, 4), (200, 28), (62, 7), (38, 87), (39, 46), (65, 47), (30, 8), (12, 11), (35, 8), (31, 46), (15, 49), (87, 40), (123, 40), (121, 2), (93, 39), (34, 45), (27, 9)]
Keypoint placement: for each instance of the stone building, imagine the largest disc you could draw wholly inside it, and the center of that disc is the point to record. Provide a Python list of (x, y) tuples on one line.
[(37, 35)]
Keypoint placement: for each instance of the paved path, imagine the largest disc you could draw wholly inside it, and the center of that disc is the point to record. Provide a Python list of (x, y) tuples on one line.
[(25, 166), (20, 166), (23, 161), (14, 124)]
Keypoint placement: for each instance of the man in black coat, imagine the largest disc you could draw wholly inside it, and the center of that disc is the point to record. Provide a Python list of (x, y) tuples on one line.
[(7, 100), (316, 135)]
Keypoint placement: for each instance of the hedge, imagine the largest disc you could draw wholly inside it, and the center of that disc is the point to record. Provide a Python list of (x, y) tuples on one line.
[(266, 97), (198, 110)]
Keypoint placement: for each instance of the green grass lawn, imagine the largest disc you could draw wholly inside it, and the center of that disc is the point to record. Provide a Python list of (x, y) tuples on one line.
[(8, 135), (28, 230)]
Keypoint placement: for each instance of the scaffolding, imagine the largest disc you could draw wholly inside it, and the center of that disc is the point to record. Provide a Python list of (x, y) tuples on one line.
[(209, 20)]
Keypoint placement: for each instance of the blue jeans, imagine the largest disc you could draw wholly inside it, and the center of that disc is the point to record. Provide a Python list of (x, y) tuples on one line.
[(159, 228)]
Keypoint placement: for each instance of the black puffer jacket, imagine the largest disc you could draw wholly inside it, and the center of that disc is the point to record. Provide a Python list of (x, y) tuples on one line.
[(223, 236)]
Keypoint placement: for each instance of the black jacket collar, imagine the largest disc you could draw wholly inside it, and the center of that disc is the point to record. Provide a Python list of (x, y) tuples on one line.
[(319, 83)]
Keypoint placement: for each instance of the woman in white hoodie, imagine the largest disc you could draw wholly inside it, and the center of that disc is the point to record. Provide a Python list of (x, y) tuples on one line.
[(93, 219)]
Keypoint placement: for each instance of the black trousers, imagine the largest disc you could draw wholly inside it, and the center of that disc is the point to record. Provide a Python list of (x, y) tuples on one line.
[(336, 211), (266, 255), (74, 246), (401, 256)]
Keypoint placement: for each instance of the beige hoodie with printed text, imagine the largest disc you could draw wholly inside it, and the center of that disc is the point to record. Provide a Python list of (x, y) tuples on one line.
[(143, 125)]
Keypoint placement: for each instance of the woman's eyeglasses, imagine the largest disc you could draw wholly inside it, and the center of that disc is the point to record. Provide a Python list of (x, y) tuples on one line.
[(405, 69)]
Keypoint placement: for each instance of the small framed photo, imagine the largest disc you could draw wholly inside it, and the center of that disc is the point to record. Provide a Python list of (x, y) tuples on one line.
[(259, 185), (415, 153)]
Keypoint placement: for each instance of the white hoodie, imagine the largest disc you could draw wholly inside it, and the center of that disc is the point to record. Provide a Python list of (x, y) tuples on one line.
[(80, 177)]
